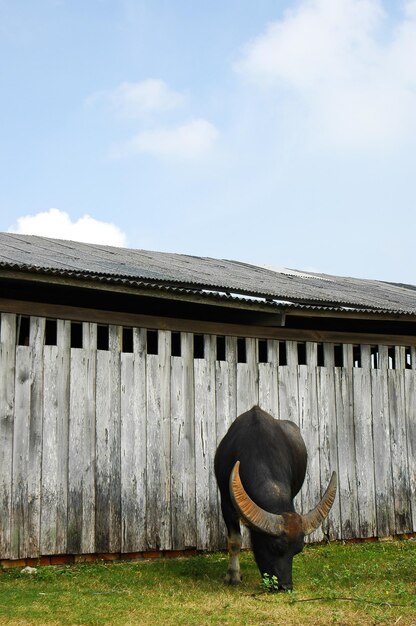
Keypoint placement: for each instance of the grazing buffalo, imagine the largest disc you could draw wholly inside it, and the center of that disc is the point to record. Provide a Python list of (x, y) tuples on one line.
[(260, 466)]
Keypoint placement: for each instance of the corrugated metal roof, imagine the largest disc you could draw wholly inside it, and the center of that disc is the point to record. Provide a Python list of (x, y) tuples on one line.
[(174, 271)]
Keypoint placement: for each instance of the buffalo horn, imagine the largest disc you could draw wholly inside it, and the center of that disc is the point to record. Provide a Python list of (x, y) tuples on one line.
[(252, 514), (313, 519)]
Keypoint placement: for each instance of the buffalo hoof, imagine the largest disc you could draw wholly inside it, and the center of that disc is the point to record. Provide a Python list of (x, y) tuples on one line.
[(284, 588), (233, 578)]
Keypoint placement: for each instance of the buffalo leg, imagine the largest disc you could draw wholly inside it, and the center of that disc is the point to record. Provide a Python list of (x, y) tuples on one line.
[(233, 576), (234, 538)]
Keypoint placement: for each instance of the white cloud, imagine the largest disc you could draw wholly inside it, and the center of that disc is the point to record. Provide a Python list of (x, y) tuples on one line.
[(146, 101), (410, 8), (58, 224), (135, 100), (192, 140), (355, 78)]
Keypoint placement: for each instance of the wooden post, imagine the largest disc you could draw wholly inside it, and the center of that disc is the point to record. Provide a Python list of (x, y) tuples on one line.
[(347, 457), (399, 448), (363, 425), (328, 436), (288, 385), (158, 445), (205, 444), (133, 441), (183, 447), (410, 417), (268, 381), (82, 444), (309, 425), (108, 462), (56, 398), (247, 378), (226, 405), (36, 342), (381, 444), (7, 419)]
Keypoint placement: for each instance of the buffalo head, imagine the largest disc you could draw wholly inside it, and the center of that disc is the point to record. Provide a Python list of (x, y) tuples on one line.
[(276, 538)]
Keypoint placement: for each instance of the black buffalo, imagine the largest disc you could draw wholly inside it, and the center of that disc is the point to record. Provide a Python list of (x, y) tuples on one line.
[(270, 456)]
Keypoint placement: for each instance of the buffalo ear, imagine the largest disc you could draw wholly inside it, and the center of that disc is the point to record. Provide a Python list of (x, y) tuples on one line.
[(312, 520), (249, 511)]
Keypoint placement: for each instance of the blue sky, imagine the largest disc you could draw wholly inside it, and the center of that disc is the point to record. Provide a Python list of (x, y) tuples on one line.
[(280, 133)]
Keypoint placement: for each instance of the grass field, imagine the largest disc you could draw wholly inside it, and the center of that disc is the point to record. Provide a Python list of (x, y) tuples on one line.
[(355, 584)]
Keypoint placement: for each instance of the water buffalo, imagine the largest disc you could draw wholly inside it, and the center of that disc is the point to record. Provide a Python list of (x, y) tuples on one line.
[(268, 457)]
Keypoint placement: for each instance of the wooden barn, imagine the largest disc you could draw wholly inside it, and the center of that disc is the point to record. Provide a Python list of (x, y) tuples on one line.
[(120, 371)]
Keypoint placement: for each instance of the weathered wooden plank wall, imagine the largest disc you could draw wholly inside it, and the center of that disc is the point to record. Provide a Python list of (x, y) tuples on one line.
[(108, 448)]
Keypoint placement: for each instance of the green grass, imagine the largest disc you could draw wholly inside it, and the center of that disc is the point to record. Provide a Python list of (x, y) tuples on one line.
[(334, 584)]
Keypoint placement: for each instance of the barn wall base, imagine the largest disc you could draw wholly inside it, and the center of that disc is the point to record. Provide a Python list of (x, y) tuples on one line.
[(72, 559)]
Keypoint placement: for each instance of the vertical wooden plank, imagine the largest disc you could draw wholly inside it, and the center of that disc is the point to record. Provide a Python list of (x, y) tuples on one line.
[(158, 445), (268, 383), (348, 356), (183, 447), (75, 457), (347, 458), (288, 385), (81, 456), (309, 426), (400, 357), (363, 425), (400, 468), (383, 357), (410, 413), (89, 337), (301, 501), (328, 441), (273, 351), (102, 487), (20, 495), (231, 358), (35, 469), (115, 343), (247, 396), (226, 405), (62, 432), (311, 354), (381, 443), (134, 445), (7, 405), (205, 446), (226, 388), (292, 354), (247, 378), (108, 462), (49, 452), (53, 532), (288, 394), (365, 356), (329, 355), (268, 388)]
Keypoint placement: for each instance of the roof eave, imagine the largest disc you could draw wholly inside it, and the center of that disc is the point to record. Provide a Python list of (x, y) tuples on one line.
[(196, 293)]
